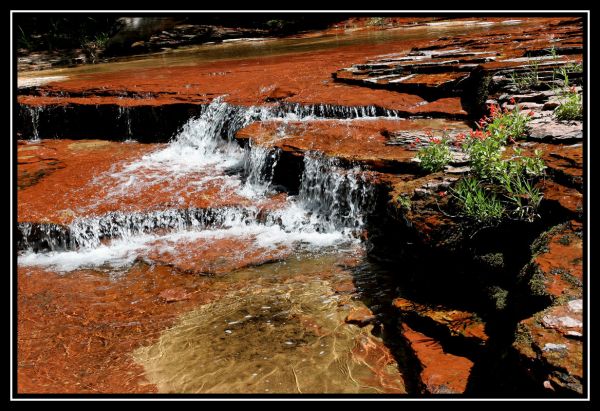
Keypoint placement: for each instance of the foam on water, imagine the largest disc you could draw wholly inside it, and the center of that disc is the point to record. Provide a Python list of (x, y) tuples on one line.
[(122, 252), (329, 209)]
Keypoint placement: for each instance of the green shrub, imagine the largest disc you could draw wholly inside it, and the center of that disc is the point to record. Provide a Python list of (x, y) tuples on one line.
[(476, 202), (571, 107), (485, 155), (436, 155), (506, 126), (513, 177)]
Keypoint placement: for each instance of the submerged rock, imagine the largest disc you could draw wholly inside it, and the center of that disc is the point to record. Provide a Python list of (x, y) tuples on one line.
[(361, 317)]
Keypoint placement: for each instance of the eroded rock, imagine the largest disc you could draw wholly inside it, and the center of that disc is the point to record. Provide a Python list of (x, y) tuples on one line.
[(556, 270), (456, 322), (550, 344), (442, 372)]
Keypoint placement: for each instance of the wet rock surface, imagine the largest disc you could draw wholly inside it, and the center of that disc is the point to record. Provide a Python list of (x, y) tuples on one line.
[(442, 372), (107, 318), (248, 316), (372, 143)]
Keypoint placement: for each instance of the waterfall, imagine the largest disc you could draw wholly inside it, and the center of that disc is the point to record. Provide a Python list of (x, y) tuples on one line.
[(125, 111), (340, 198), (259, 169), (34, 115), (331, 111), (331, 206)]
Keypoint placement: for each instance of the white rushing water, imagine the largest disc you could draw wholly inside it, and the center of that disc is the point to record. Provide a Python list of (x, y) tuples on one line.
[(329, 209)]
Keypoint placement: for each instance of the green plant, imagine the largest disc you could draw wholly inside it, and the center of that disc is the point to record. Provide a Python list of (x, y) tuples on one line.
[(485, 155), (24, 41), (513, 177), (565, 70), (571, 107), (476, 202), (436, 155), (528, 78), (533, 166), (276, 24), (523, 196), (506, 125), (404, 202), (485, 145)]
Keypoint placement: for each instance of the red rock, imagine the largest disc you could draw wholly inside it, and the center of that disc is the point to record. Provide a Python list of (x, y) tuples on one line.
[(551, 344), (174, 294), (565, 162), (344, 287), (442, 373), (458, 323), (360, 316), (372, 352), (281, 93), (76, 331), (309, 73), (358, 141), (211, 256), (35, 161), (558, 268), (84, 185), (568, 198)]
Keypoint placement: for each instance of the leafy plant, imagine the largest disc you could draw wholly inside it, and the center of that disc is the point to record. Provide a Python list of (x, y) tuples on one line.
[(534, 166), (485, 155), (506, 125), (571, 107), (435, 156), (476, 202), (512, 177)]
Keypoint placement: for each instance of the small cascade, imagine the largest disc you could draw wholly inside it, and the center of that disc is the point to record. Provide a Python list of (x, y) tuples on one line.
[(42, 237), (92, 232), (331, 206), (34, 114), (125, 112), (259, 169), (339, 198), (330, 111)]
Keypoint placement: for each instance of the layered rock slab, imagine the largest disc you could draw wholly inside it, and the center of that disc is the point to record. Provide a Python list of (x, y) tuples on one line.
[(550, 342), (361, 142), (98, 177)]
